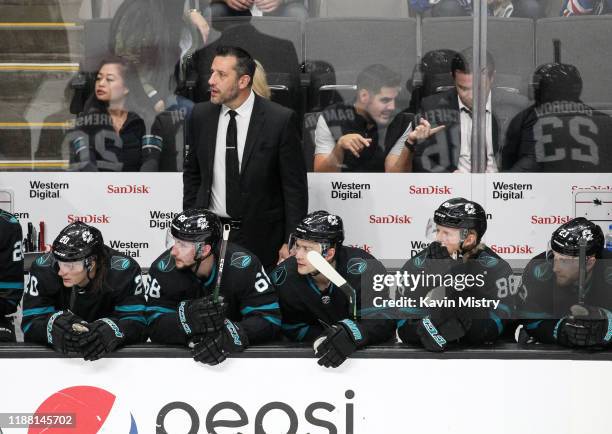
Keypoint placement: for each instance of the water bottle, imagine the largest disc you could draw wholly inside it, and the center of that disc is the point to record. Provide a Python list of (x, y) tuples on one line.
[(609, 239)]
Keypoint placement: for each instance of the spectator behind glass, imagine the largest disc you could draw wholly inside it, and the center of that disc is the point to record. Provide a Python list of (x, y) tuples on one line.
[(108, 133), (586, 7), (282, 8), (260, 81), (159, 37), (351, 138), (499, 8)]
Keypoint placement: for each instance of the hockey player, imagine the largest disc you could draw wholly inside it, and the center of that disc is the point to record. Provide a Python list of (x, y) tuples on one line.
[(11, 272), (550, 302), (313, 309), (83, 297), (181, 306), (472, 285)]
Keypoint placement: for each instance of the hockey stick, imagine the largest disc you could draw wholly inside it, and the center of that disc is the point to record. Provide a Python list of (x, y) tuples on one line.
[(226, 231), (581, 269), (317, 261)]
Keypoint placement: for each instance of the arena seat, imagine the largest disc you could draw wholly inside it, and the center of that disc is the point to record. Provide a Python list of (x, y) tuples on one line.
[(348, 45), (585, 43)]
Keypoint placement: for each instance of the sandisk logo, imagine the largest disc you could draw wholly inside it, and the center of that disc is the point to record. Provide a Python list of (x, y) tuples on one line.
[(512, 249), (128, 189), (430, 189), (550, 220), (89, 218), (390, 219)]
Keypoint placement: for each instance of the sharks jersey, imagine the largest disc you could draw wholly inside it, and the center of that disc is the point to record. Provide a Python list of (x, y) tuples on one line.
[(245, 287), (120, 299), (304, 305)]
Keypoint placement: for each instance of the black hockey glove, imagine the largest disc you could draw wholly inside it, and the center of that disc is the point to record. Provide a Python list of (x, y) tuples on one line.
[(103, 337), (213, 350), (61, 333), (7, 332), (338, 342), (202, 316), (438, 251), (588, 326), (436, 334)]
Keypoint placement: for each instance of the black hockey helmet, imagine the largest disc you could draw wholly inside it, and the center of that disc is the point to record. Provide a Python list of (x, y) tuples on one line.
[(76, 242), (461, 213), (556, 82), (565, 239), (197, 226), (322, 227)]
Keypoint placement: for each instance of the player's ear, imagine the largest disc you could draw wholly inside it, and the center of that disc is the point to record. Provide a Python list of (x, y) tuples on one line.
[(590, 263), (205, 250), (330, 254)]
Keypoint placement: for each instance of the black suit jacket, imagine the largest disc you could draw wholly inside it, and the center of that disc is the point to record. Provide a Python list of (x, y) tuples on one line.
[(272, 175), (440, 153)]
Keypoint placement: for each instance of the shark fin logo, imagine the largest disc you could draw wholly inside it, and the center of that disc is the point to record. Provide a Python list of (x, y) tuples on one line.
[(240, 260), (120, 263), (95, 410), (45, 260), (488, 261), (356, 266), (279, 275), (166, 264)]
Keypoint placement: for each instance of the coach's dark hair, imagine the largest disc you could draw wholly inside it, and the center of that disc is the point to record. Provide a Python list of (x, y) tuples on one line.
[(464, 60), (245, 64), (375, 77)]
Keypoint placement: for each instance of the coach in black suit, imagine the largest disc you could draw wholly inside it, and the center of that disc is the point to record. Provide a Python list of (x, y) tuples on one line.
[(245, 161)]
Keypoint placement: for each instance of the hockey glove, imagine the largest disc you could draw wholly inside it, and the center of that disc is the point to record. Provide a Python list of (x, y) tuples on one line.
[(202, 316), (60, 332), (435, 335), (214, 350), (588, 326), (7, 332), (438, 251), (337, 343), (103, 337)]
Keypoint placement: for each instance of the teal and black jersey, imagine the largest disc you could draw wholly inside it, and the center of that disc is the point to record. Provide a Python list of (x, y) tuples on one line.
[(542, 302), (120, 299), (304, 305), (251, 298), (474, 283), (11, 263)]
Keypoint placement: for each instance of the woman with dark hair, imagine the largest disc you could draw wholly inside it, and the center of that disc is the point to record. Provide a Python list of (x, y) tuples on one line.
[(108, 133)]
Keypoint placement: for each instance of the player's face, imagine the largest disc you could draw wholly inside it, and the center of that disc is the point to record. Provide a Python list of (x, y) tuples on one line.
[(110, 85), (73, 273), (300, 249), (224, 82), (566, 269), (183, 253), (463, 84), (381, 106), (449, 238)]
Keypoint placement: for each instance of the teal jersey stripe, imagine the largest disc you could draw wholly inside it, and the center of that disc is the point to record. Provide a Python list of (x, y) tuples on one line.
[(11, 285), (38, 311), (302, 334), (159, 309), (134, 318), (273, 319), (130, 308), (249, 309), (26, 327)]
